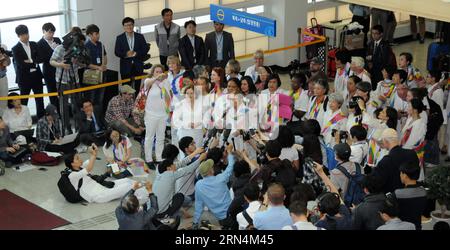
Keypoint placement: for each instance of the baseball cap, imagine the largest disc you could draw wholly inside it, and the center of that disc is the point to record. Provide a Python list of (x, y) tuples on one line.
[(52, 111), (316, 60), (127, 89), (205, 167), (343, 150), (364, 86)]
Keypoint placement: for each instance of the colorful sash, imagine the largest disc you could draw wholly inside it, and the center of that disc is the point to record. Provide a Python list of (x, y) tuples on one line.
[(316, 109), (338, 117), (420, 151), (373, 152), (295, 95)]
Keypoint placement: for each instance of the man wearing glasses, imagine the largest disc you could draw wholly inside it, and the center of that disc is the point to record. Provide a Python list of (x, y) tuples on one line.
[(119, 113)]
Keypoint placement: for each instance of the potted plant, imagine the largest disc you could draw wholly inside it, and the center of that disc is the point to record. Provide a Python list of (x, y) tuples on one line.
[(438, 183)]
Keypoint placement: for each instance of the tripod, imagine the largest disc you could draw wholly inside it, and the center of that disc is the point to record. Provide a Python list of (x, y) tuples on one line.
[(71, 84)]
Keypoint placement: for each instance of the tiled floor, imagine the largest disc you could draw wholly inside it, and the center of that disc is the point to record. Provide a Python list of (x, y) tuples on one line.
[(40, 187)]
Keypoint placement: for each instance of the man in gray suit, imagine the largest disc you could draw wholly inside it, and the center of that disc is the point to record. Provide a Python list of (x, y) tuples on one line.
[(167, 36), (219, 46)]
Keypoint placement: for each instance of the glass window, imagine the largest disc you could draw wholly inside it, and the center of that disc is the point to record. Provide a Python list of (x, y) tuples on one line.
[(256, 43), (148, 28), (201, 4), (181, 5), (232, 1), (151, 8), (132, 10), (181, 21), (256, 9), (344, 12), (24, 8), (238, 33), (322, 16), (239, 48), (203, 19)]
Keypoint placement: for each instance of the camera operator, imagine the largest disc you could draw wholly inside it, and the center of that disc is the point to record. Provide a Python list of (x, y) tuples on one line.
[(358, 144), (67, 75), (5, 61), (276, 170)]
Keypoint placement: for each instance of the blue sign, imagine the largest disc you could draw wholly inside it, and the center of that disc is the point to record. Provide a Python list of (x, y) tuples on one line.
[(243, 20)]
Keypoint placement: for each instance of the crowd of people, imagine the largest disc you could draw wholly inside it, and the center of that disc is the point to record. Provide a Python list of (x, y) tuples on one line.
[(317, 156)]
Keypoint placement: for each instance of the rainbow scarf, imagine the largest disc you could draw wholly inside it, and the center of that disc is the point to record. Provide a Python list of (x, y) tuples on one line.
[(391, 90), (373, 152), (295, 96), (167, 99), (420, 151), (338, 117), (315, 109)]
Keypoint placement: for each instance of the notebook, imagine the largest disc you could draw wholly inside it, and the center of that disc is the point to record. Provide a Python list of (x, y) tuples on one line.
[(67, 139)]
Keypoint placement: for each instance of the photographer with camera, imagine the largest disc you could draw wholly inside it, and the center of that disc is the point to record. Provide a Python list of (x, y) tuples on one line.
[(5, 61), (358, 144), (68, 58), (334, 119), (90, 189), (28, 73)]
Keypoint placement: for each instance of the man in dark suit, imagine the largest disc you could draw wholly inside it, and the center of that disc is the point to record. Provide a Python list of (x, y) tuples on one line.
[(377, 55), (46, 45), (131, 48), (191, 47), (28, 73), (388, 169), (219, 46), (91, 124)]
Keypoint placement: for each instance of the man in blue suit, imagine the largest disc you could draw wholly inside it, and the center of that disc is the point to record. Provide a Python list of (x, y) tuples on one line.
[(131, 48)]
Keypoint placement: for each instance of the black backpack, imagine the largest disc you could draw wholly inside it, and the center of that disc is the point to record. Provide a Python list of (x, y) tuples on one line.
[(355, 193), (66, 188), (435, 119)]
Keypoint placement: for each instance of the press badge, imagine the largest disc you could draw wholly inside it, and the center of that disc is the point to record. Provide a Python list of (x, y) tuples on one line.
[(98, 60)]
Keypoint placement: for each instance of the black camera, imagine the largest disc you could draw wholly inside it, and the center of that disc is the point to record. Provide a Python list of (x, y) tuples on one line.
[(75, 49), (343, 135), (353, 104), (247, 135), (6, 52)]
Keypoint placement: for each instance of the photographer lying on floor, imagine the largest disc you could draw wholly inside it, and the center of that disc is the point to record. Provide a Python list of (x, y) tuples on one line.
[(91, 190)]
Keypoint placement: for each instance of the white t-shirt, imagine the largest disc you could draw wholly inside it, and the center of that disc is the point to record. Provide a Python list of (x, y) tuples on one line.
[(118, 154), (301, 225), (90, 188), (252, 209), (359, 152), (290, 154), (156, 104), (17, 122)]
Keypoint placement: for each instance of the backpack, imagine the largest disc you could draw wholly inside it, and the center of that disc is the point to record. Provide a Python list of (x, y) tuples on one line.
[(66, 188), (435, 119), (355, 193), (331, 159), (42, 159)]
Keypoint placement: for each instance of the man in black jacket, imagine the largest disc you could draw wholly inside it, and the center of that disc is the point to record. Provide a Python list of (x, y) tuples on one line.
[(366, 216), (388, 168), (191, 47), (377, 55), (46, 45), (91, 124), (219, 46), (132, 48), (28, 72)]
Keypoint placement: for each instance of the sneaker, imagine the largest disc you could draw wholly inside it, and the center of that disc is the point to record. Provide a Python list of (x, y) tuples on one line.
[(81, 149)]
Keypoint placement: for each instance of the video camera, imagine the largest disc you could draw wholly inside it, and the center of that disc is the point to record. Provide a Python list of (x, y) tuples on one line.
[(75, 49), (6, 52)]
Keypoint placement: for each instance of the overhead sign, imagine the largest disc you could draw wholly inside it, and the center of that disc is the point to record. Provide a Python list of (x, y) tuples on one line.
[(243, 20)]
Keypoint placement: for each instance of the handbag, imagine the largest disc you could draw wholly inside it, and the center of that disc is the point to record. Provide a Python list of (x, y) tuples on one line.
[(141, 100), (93, 76)]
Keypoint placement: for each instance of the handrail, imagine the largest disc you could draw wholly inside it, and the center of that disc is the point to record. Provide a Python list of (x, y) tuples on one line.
[(320, 39)]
